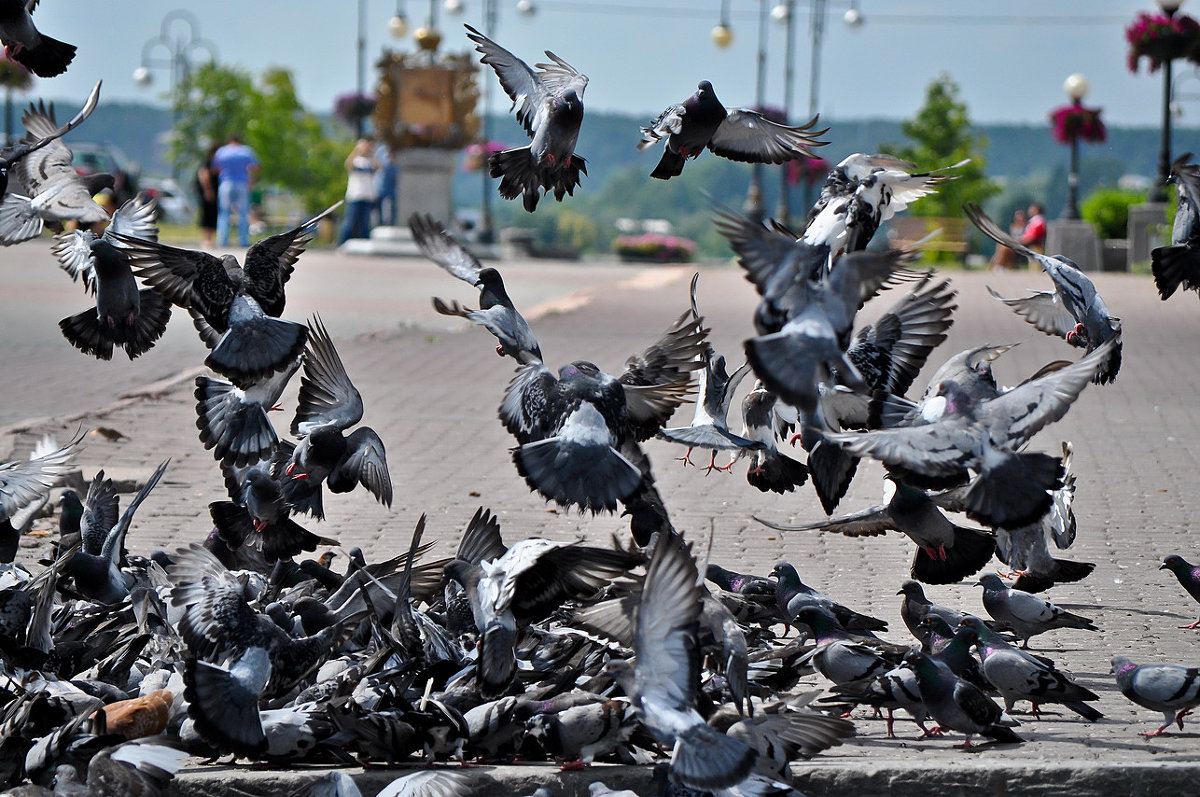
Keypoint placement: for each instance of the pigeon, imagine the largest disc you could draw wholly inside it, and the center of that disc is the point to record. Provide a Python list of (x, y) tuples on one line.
[(1189, 578), (137, 218), (792, 595), (125, 315), (51, 189), (781, 733), (18, 523), (741, 134), (577, 735), (1027, 615), (1073, 310), (1176, 265), (1172, 689), (259, 515), (662, 679), (496, 311), (840, 657), (710, 424), (29, 47), (24, 483), (12, 153), (946, 553), (770, 469), (551, 110), (233, 420), (959, 705), (1017, 675), (916, 607), (328, 405), (1012, 488)]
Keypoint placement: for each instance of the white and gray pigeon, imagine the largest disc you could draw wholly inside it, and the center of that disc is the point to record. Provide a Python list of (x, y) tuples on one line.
[(1011, 488), (497, 313), (709, 428), (766, 421), (29, 47), (1177, 265), (1026, 614), (701, 122), (14, 152), (1073, 310), (22, 483), (137, 218), (1173, 689), (662, 679), (233, 420), (550, 109)]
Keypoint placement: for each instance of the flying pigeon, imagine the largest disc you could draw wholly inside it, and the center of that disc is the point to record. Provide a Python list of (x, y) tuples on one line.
[(233, 420), (1172, 689), (770, 469), (25, 44), (701, 121), (959, 705), (1189, 578), (1177, 265), (1012, 488), (125, 315), (10, 154), (329, 405), (1027, 615), (137, 218), (259, 515), (551, 110), (496, 312), (946, 553), (1073, 310)]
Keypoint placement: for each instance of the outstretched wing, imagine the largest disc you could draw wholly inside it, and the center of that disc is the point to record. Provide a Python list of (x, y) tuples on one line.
[(516, 78), (270, 262), (750, 137), (327, 396)]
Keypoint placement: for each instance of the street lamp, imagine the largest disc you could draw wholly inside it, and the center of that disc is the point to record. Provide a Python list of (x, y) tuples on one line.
[(398, 24), (1076, 88), (1159, 192)]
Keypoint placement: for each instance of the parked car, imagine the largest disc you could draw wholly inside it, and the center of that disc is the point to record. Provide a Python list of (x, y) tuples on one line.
[(91, 157), (174, 204)]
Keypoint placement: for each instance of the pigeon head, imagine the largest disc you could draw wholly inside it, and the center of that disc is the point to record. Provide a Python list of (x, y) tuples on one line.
[(937, 626), (990, 582), (1121, 665), (787, 575), (911, 589), (703, 88), (956, 400), (972, 622), (1174, 563), (580, 369)]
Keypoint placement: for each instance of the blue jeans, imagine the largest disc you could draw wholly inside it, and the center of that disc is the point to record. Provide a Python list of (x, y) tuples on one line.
[(358, 220), (231, 194)]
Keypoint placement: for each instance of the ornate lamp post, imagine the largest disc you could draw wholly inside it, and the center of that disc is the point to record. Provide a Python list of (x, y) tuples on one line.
[(1076, 88)]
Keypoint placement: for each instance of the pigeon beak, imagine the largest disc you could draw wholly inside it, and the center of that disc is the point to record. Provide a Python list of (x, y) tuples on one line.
[(1163, 566)]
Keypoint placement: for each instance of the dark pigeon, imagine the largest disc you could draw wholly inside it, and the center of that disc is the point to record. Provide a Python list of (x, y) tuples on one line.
[(29, 47), (959, 705), (792, 595), (1178, 264), (770, 469), (701, 122), (1189, 578), (551, 110), (233, 420)]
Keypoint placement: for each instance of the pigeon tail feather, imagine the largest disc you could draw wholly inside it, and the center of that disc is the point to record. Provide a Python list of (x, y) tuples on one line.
[(670, 165), (707, 759), (972, 549), (778, 474), (1173, 267), (594, 477), (257, 348), (18, 220), (496, 666), (1015, 492), (832, 470), (49, 59), (1062, 571), (84, 332)]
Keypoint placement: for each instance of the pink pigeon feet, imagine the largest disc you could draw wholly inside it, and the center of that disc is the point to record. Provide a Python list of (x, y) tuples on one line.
[(712, 465), (1179, 717), (686, 459), (1080, 331), (1193, 625)]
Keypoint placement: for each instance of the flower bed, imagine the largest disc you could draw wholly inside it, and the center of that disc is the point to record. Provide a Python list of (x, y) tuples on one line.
[(654, 248)]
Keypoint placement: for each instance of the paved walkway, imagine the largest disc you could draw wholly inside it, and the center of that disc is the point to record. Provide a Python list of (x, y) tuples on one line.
[(431, 388)]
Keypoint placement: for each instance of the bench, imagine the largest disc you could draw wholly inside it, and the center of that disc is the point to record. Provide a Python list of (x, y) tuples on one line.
[(905, 231)]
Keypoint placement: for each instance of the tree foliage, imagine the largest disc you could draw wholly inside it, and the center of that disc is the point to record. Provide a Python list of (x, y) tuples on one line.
[(941, 134), (295, 150)]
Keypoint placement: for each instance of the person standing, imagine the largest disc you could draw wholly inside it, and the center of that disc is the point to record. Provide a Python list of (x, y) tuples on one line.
[(1035, 231), (360, 191), (385, 185), (206, 196), (236, 166)]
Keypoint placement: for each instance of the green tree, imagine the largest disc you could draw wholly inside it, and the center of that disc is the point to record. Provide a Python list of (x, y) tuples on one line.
[(941, 134), (297, 153)]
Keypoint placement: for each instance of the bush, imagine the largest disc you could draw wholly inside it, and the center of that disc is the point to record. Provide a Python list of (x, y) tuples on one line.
[(654, 247), (1107, 209)]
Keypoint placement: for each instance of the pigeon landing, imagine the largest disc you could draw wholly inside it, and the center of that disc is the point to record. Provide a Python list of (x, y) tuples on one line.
[(11, 154), (1178, 265), (551, 110), (29, 47), (701, 121)]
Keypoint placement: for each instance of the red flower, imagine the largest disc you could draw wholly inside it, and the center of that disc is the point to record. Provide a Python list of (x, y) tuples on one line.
[(1076, 121)]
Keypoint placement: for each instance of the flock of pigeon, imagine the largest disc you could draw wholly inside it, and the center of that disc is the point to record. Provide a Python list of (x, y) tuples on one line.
[(114, 667)]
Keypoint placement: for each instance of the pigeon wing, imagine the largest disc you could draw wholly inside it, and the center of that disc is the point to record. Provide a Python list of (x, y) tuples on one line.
[(74, 252), (270, 262), (664, 638), (137, 218), (523, 410), (22, 483), (520, 82), (870, 522), (366, 464), (939, 449), (748, 136), (1043, 309), (327, 396), (444, 249), (185, 276)]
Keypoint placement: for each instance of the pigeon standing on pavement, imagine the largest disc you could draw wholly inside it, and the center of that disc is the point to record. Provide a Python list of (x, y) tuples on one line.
[(1178, 264), (1073, 310), (1189, 578), (1027, 615), (550, 109), (29, 47), (1172, 689), (701, 121), (916, 606), (959, 705), (792, 595)]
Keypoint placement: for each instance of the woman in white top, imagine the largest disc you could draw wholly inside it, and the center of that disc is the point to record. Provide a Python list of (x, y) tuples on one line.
[(360, 191)]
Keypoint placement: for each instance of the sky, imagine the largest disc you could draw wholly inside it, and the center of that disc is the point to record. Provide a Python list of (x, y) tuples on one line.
[(1010, 58)]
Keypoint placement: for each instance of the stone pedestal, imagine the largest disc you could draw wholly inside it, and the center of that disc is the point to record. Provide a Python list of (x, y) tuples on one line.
[(1077, 240), (425, 183), (1148, 228)]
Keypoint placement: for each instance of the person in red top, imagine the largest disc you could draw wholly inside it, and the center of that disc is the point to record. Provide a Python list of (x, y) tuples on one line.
[(1035, 231)]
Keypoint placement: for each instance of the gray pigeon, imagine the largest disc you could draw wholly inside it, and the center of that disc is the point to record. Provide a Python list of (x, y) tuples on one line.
[(233, 420), (701, 122), (137, 218), (1073, 310), (1172, 689), (24, 482), (770, 469), (843, 659), (497, 313), (551, 110), (959, 705), (1177, 265), (29, 47), (14, 152), (1027, 615), (577, 735)]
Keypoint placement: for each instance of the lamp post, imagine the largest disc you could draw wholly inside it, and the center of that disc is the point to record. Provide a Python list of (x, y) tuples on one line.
[(753, 207), (1076, 88), (1159, 192)]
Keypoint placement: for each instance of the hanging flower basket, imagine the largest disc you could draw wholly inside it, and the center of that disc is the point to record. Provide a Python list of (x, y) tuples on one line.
[(809, 171), (1160, 38), (1077, 122), (352, 106), (476, 155), (654, 248)]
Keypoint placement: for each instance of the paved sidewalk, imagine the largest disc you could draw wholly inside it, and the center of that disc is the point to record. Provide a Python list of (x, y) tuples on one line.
[(431, 390)]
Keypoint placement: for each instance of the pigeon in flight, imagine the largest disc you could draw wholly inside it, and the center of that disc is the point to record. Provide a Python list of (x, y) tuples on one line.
[(1189, 578), (1172, 689), (233, 420), (328, 405), (550, 109), (1027, 615), (137, 218), (1073, 310), (1178, 264), (701, 122), (770, 469), (496, 312), (24, 482), (29, 47), (11, 154)]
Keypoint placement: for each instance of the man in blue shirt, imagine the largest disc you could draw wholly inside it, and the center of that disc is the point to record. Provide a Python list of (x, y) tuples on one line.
[(236, 165)]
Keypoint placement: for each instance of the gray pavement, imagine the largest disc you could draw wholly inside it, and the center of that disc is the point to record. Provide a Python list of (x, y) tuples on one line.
[(431, 387)]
